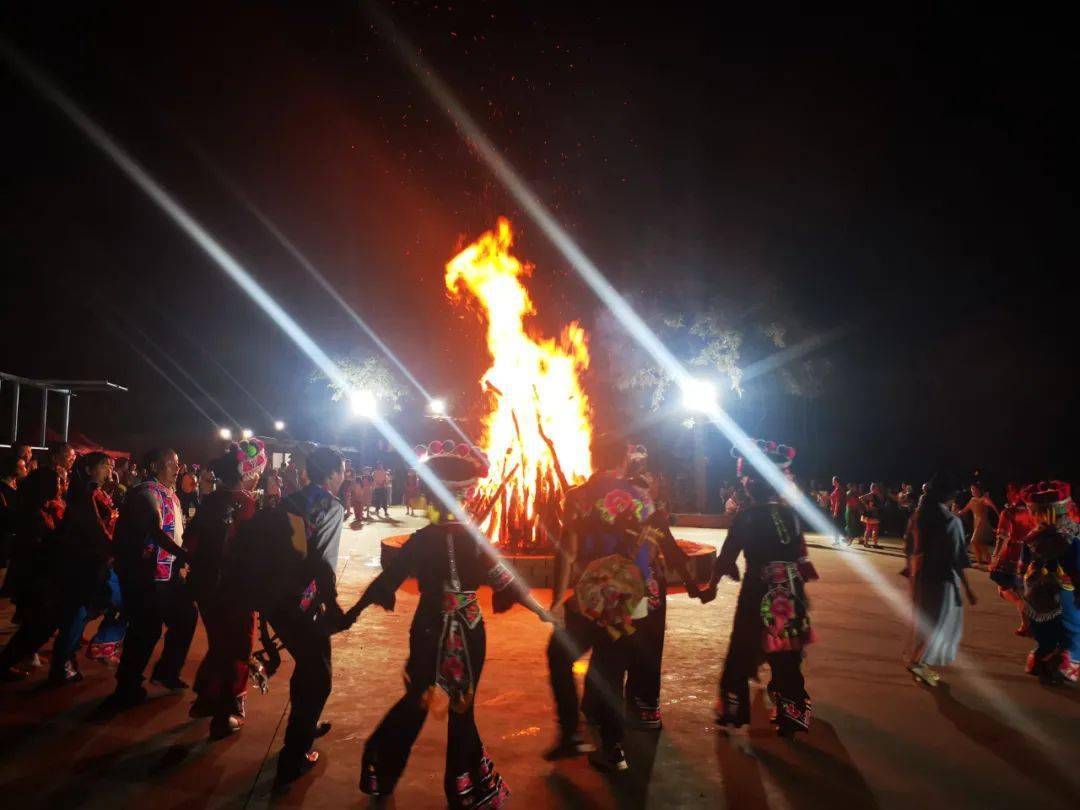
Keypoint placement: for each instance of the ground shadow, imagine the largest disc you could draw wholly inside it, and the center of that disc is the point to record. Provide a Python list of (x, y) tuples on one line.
[(1006, 744), (813, 771)]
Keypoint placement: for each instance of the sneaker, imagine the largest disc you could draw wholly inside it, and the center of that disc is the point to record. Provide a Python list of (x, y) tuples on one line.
[(572, 746), (66, 675), (611, 759)]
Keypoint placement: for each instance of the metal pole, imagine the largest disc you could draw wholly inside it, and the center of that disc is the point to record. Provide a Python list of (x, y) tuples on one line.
[(15, 414), (44, 413), (67, 416)]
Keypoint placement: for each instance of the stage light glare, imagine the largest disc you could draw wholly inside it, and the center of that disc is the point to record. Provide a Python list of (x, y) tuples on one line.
[(246, 433), (363, 403), (437, 407), (279, 425), (225, 434), (699, 396)]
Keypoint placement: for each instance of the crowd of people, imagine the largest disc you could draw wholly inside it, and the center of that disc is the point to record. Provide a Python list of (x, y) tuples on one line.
[(152, 549)]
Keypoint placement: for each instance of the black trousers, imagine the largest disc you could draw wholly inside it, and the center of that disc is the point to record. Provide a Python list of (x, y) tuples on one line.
[(40, 609), (309, 687), (607, 669), (646, 658), (149, 609), (469, 778)]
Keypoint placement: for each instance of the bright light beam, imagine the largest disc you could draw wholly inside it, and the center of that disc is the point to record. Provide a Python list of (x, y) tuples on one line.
[(648, 340), (228, 416), (245, 281), (146, 359), (300, 258)]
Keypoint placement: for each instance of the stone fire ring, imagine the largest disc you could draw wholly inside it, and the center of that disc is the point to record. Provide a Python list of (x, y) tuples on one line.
[(539, 569)]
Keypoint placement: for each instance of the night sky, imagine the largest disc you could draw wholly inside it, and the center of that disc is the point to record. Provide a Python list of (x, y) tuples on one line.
[(903, 179)]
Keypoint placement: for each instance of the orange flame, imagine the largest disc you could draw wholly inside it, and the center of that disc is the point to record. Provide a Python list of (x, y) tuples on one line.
[(537, 431)]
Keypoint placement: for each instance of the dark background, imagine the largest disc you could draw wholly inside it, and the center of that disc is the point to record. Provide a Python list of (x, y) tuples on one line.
[(908, 180)]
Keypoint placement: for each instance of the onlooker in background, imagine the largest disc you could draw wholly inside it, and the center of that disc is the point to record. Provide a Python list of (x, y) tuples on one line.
[(41, 510), (187, 492), (63, 457), (272, 489), (149, 558), (873, 507), (412, 493), (291, 475), (389, 489), (24, 451), (362, 496), (836, 508), (853, 509), (378, 492), (345, 494), (12, 471)]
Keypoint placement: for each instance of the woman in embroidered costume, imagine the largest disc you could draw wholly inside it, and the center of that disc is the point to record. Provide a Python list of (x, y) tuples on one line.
[(772, 620), (447, 641), (1050, 568), (937, 577), (221, 682), (1015, 524)]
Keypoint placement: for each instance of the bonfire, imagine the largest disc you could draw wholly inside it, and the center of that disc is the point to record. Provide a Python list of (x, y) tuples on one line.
[(536, 431)]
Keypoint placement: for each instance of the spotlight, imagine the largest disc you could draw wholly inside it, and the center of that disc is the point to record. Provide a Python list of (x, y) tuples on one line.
[(363, 403), (699, 396), (225, 434), (247, 434), (279, 426), (437, 407)]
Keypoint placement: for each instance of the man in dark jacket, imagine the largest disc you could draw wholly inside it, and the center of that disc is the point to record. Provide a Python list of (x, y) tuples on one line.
[(309, 613), (149, 563)]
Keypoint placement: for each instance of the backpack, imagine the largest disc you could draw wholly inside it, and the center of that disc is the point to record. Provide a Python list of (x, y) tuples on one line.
[(265, 565)]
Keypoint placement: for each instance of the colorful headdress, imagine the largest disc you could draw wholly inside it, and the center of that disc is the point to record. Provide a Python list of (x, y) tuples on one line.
[(1048, 493), (779, 454), (457, 464), (250, 455)]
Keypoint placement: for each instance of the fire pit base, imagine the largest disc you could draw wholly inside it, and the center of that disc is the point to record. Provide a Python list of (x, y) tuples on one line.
[(539, 569)]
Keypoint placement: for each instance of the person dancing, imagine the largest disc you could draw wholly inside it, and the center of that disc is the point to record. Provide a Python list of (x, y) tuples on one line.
[(982, 537), (937, 575), (221, 681), (772, 620), (447, 642), (1050, 561), (1015, 524)]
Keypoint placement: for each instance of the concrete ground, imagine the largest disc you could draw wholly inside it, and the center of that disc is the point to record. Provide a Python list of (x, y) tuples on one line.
[(988, 737)]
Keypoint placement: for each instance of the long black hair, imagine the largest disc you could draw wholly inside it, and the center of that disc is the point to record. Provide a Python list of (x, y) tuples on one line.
[(81, 476)]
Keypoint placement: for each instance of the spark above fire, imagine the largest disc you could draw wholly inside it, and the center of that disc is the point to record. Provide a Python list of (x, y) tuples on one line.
[(537, 430)]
